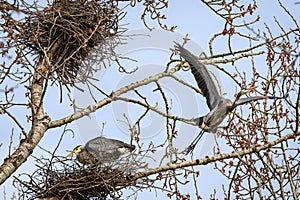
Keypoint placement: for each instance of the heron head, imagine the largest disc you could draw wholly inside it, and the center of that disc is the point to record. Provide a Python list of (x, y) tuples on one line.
[(76, 150)]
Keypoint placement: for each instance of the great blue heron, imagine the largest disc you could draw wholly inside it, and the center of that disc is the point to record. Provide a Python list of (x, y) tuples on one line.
[(218, 105), (101, 150)]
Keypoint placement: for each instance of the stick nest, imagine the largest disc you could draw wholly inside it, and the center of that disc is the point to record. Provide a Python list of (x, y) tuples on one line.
[(60, 178), (66, 31)]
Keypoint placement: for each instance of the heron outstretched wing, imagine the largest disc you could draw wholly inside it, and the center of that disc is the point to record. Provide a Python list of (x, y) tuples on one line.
[(245, 100), (202, 76)]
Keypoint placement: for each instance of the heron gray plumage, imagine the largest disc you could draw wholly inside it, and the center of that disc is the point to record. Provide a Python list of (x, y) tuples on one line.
[(218, 105), (101, 150)]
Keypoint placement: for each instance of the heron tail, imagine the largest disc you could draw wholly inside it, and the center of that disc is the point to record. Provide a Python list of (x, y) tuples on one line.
[(198, 121)]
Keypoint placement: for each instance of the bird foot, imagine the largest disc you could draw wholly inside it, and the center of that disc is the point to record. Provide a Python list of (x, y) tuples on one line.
[(190, 149)]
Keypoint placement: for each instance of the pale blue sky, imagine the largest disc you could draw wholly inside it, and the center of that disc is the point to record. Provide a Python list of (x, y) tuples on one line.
[(191, 17)]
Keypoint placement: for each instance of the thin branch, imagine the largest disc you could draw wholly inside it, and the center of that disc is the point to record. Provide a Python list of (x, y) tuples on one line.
[(17, 122), (214, 158), (114, 96)]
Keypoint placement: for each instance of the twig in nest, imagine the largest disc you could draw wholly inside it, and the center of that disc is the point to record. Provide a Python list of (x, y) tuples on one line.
[(64, 33), (65, 179)]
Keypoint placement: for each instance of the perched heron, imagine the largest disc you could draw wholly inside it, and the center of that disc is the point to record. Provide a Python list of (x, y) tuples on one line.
[(218, 105), (101, 150)]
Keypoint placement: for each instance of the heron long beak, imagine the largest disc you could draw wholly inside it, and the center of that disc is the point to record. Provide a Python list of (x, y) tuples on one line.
[(70, 154), (76, 150)]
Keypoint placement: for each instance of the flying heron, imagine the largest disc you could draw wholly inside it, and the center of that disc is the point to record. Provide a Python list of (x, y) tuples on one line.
[(218, 105), (101, 150)]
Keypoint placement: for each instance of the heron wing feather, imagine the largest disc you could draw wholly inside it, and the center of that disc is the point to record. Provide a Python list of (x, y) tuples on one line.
[(202, 76), (105, 149), (245, 100)]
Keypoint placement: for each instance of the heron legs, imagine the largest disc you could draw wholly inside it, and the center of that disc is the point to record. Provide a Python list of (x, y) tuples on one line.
[(192, 146)]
